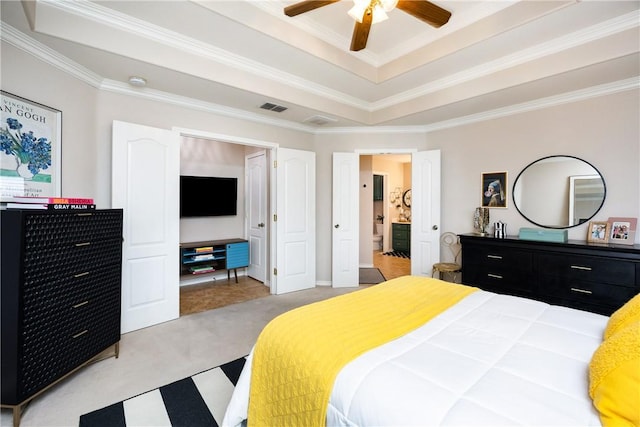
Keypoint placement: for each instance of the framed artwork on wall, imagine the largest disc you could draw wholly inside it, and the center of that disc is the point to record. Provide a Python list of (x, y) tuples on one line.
[(30, 148), (494, 190), (598, 232), (622, 231)]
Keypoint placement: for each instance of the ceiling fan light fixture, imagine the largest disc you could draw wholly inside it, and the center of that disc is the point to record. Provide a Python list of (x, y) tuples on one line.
[(360, 8), (389, 5)]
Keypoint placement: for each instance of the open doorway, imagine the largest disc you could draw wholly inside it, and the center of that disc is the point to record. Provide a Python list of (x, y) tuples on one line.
[(247, 165), (385, 214)]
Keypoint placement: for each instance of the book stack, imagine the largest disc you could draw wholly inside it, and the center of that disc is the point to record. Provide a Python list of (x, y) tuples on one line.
[(202, 269), (48, 203)]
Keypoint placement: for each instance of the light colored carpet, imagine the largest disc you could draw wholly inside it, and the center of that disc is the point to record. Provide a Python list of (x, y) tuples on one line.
[(158, 355)]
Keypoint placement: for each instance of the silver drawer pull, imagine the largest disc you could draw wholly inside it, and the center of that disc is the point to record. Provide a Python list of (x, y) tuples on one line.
[(83, 244), (494, 256), (495, 276), (81, 274), (79, 334), (579, 267), (582, 291), (81, 304)]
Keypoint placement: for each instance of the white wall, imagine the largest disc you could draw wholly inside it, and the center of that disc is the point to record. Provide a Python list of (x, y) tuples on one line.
[(604, 131)]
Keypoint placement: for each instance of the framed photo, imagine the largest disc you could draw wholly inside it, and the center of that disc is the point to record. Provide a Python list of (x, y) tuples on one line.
[(30, 148), (622, 231), (598, 232), (494, 190)]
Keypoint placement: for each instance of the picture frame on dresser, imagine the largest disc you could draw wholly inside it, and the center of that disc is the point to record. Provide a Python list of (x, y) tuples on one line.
[(598, 232), (622, 231), (494, 190), (30, 148)]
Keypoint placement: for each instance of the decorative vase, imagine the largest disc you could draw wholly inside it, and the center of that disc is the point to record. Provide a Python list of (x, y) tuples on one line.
[(481, 220)]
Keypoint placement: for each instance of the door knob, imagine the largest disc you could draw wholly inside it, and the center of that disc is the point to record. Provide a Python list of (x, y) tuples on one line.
[(337, 226), (435, 227), (261, 225)]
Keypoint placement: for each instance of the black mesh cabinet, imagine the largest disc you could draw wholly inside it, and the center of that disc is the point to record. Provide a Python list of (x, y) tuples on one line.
[(60, 296)]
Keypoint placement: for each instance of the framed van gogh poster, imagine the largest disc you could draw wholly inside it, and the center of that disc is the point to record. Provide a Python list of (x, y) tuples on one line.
[(30, 148)]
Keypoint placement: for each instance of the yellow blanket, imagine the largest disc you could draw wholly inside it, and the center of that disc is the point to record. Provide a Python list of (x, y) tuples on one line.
[(299, 354)]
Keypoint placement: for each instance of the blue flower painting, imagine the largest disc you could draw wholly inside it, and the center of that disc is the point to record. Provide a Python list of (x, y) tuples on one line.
[(26, 147)]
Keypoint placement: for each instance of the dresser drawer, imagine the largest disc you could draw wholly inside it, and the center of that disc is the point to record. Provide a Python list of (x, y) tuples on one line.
[(594, 294), (499, 260), (70, 260), (588, 269), (507, 280), (45, 230), (79, 331)]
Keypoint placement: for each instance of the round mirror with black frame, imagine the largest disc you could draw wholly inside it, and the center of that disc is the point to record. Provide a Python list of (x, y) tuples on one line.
[(559, 192)]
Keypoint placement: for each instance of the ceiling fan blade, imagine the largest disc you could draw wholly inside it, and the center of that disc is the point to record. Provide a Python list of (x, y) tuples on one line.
[(361, 32), (425, 11), (305, 6)]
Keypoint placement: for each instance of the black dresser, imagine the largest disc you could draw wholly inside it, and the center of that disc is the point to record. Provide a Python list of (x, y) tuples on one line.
[(60, 296), (593, 277)]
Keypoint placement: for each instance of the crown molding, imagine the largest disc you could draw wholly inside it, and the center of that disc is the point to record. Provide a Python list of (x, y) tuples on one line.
[(595, 32), (163, 36), (538, 104), (138, 27), (195, 104), (31, 46)]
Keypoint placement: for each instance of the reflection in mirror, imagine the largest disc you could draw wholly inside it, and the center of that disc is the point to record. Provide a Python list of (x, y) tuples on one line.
[(559, 192)]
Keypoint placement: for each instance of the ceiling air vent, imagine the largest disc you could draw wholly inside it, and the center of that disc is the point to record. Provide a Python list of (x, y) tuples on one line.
[(273, 107), (319, 120)]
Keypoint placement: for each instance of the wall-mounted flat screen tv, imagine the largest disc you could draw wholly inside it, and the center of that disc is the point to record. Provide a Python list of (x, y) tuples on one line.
[(208, 196)]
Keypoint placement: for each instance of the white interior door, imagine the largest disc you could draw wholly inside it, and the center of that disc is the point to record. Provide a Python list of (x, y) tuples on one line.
[(425, 211), (145, 183), (256, 172), (295, 257), (346, 246)]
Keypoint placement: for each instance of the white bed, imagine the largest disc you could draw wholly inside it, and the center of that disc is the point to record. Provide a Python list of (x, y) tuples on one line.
[(489, 360)]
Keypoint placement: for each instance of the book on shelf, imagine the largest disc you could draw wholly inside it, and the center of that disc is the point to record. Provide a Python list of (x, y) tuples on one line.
[(204, 249), (70, 206), (42, 206), (51, 206), (48, 200), (201, 269), (202, 257)]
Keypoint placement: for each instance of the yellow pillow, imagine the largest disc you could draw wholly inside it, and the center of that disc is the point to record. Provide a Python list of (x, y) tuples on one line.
[(614, 378), (628, 313)]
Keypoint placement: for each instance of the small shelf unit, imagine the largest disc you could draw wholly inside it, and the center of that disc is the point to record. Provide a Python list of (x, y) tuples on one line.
[(209, 256)]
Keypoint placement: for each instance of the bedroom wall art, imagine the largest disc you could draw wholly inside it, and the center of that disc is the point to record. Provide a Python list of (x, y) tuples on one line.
[(30, 147), (494, 190)]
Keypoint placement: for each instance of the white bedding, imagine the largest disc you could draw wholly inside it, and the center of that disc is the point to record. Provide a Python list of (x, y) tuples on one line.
[(490, 360)]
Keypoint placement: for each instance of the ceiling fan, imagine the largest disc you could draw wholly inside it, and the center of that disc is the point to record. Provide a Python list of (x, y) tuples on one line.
[(368, 12)]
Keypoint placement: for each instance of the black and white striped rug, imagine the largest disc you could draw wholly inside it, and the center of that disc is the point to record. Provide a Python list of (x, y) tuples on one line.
[(199, 400), (399, 254)]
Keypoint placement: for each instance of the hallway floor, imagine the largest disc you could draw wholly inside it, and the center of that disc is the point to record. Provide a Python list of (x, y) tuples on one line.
[(391, 266)]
